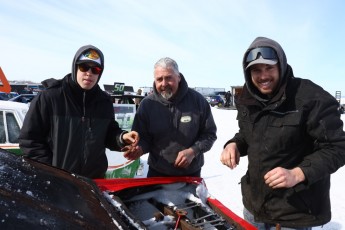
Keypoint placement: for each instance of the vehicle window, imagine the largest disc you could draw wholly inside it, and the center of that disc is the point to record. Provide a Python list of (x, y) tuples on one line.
[(12, 127), (2, 129), (124, 115), (124, 109)]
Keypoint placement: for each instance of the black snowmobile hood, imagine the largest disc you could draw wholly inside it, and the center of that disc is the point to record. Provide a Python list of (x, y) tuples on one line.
[(38, 196)]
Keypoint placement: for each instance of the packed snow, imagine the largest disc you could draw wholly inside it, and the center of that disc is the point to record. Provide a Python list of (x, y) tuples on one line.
[(223, 183)]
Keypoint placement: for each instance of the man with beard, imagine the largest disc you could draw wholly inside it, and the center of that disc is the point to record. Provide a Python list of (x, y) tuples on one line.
[(292, 134), (175, 124)]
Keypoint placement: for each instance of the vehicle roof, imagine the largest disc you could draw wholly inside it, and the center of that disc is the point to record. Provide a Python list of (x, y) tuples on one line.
[(28, 97), (9, 93), (127, 96), (13, 105), (214, 96)]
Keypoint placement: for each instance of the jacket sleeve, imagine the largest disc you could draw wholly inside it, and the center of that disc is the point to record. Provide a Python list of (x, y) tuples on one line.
[(207, 131), (240, 143), (326, 129), (33, 137), (114, 136), (140, 125)]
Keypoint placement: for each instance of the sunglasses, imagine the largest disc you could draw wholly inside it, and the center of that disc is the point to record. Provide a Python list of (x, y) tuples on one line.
[(265, 52), (94, 69)]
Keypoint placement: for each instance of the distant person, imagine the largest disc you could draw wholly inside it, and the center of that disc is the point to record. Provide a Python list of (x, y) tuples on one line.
[(228, 96), (291, 131), (137, 100), (70, 124), (175, 124), (26, 90)]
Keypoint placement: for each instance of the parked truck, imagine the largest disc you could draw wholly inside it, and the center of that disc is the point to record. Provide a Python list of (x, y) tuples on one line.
[(206, 91)]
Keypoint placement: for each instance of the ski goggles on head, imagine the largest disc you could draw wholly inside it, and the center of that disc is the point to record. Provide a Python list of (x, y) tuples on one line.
[(86, 67), (265, 52)]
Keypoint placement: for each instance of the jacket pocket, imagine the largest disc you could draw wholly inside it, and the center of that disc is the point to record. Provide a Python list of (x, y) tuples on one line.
[(287, 118), (288, 205), (246, 192), (286, 130)]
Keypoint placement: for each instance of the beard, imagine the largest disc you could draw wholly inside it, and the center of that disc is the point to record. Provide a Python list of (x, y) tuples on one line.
[(166, 93)]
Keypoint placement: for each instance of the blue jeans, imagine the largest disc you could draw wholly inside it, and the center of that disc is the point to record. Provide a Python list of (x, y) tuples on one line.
[(262, 226)]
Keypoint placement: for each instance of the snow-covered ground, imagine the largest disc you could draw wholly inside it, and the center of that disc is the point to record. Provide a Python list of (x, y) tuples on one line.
[(223, 183)]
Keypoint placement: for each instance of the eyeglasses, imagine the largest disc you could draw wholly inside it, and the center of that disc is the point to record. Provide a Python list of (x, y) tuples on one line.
[(85, 68), (265, 52)]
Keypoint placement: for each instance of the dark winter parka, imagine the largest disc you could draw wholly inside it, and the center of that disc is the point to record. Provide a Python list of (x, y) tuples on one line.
[(168, 127), (299, 127), (69, 127)]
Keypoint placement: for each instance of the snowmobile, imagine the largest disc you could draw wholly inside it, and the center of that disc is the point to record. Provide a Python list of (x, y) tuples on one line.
[(38, 196)]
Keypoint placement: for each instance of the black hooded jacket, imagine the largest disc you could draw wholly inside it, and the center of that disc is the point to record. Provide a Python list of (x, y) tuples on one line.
[(69, 127), (167, 127), (299, 126)]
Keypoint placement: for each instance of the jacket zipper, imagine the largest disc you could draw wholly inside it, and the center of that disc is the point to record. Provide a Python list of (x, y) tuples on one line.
[(83, 120), (83, 117)]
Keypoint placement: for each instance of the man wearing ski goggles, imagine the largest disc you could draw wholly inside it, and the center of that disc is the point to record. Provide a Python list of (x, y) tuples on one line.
[(293, 138), (264, 71), (264, 52)]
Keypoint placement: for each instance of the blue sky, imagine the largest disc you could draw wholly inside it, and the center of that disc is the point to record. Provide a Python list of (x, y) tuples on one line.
[(39, 38)]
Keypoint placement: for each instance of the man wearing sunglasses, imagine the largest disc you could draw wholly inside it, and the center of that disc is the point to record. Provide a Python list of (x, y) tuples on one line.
[(71, 122), (292, 134)]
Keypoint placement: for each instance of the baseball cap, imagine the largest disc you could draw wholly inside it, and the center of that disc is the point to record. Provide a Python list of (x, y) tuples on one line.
[(262, 60), (261, 55), (90, 55)]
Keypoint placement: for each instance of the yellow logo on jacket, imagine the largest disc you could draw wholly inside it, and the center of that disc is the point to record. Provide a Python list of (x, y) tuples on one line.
[(186, 119)]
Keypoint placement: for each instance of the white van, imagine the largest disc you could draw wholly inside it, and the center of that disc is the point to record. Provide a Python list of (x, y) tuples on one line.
[(11, 120)]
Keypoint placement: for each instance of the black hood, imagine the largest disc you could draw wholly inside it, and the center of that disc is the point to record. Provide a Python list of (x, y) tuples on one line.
[(77, 55), (282, 62)]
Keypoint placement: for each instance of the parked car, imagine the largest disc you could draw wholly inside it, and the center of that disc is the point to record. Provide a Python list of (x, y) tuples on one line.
[(11, 120), (7, 96), (23, 98), (215, 100)]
